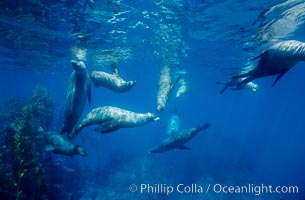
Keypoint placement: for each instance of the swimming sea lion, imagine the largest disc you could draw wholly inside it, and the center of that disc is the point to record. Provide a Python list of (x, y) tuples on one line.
[(78, 91), (111, 118), (278, 59), (166, 85), (233, 82), (59, 145), (111, 81), (178, 140), (173, 125), (182, 88)]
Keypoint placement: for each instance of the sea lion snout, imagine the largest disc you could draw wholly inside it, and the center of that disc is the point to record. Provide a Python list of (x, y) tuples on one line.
[(132, 83), (78, 150), (153, 116), (77, 65), (160, 108), (156, 119), (82, 151)]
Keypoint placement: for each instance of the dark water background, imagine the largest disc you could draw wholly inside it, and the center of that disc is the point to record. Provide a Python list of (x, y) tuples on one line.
[(255, 138)]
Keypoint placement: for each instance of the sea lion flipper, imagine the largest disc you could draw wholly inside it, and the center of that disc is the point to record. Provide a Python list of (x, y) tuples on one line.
[(110, 130), (107, 127), (104, 129), (183, 147), (176, 81), (280, 76), (242, 75), (245, 81), (224, 89), (260, 55), (226, 86), (115, 69)]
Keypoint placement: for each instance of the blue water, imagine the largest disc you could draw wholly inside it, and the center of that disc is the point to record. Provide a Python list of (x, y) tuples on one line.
[(254, 138)]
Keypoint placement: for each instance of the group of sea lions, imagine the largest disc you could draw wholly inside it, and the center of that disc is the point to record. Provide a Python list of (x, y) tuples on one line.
[(276, 60), (107, 118)]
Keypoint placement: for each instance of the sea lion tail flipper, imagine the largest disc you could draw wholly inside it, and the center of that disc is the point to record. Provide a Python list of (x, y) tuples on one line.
[(280, 76), (183, 147), (204, 126)]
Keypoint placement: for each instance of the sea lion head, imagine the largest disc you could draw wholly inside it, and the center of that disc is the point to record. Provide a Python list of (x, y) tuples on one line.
[(78, 65), (131, 83), (253, 86), (160, 108), (152, 116), (78, 150)]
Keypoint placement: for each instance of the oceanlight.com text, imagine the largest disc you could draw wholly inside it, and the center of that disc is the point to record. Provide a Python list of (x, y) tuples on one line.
[(194, 188), (255, 189)]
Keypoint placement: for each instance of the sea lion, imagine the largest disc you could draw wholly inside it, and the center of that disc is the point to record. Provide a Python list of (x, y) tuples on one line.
[(173, 125), (182, 88), (233, 82), (78, 91), (111, 81), (178, 140), (166, 85), (278, 59), (111, 118), (59, 145)]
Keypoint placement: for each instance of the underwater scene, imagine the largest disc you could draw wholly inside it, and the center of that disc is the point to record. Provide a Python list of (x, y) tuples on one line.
[(162, 99)]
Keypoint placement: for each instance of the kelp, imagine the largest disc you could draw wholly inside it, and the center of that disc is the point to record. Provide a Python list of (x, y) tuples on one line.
[(21, 152)]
